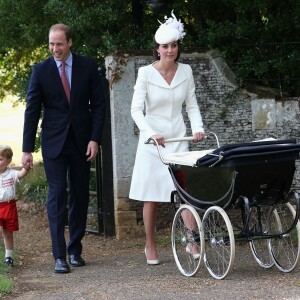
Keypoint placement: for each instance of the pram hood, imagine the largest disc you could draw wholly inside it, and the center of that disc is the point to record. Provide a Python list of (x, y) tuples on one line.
[(248, 153)]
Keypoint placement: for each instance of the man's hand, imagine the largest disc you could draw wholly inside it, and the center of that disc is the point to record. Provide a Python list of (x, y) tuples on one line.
[(92, 150), (27, 160)]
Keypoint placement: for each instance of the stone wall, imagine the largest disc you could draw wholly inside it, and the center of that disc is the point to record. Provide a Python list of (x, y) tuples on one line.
[(235, 115)]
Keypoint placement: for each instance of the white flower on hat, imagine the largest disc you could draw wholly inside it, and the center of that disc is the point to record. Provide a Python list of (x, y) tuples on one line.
[(171, 30)]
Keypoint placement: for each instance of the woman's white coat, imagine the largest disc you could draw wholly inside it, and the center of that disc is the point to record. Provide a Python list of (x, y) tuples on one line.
[(157, 109)]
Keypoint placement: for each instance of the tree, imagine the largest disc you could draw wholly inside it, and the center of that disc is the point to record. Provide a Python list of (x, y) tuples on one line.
[(259, 39)]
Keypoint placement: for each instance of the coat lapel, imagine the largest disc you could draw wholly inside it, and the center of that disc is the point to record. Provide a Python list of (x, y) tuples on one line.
[(156, 78), (56, 75), (75, 78), (180, 76)]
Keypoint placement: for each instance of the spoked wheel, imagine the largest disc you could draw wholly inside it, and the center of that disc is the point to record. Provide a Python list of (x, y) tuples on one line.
[(259, 225), (219, 242), (187, 240), (286, 247)]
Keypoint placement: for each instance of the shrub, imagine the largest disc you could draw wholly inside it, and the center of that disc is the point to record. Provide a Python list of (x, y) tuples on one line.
[(34, 186)]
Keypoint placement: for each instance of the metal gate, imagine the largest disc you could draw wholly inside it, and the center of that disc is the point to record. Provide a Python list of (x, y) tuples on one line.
[(101, 209)]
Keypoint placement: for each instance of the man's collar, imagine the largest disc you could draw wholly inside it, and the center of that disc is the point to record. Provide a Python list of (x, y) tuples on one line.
[(69, 61)]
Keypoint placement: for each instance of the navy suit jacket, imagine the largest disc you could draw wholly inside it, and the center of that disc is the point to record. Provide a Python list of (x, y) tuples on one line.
[(85, 113)]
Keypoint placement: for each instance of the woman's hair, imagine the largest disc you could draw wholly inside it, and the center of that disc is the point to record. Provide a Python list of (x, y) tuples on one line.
[(62, 27), (155, 47), (5, 151)]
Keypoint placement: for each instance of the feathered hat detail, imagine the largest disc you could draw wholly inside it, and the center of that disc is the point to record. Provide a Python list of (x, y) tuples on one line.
[(171, 30)]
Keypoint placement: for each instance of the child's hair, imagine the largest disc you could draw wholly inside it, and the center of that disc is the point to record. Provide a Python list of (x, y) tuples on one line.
[(5, 151)]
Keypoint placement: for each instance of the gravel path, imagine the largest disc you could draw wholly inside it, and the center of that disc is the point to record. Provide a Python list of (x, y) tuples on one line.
[(117, 270)]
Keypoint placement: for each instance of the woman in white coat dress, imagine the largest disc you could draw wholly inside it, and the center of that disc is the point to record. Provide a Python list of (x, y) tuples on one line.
[(160, 91)]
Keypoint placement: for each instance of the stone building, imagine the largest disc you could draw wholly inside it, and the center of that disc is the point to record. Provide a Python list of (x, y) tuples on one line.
[(235, 115)]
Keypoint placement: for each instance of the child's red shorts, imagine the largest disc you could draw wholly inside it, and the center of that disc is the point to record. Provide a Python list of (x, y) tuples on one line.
[(9, 216)]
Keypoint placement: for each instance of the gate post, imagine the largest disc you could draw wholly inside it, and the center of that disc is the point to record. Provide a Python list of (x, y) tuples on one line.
[(105, 165)]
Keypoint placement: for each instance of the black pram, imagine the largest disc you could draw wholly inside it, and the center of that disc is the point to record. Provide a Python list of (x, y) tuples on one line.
[(253, 178)]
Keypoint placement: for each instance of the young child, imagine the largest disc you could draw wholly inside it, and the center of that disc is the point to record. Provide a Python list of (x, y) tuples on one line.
[(8, 209)]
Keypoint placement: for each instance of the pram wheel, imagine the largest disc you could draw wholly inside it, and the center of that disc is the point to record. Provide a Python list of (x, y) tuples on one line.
[(219, 242), (286, 247), (259, 225), (187, 240)]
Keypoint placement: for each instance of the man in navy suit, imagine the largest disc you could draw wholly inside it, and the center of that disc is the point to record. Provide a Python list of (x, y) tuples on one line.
[(70, 135)]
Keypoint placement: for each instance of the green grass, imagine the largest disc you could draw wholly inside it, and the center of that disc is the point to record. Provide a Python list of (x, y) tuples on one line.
[(6, 282)]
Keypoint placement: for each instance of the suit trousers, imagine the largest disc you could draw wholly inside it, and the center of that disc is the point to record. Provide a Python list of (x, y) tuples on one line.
[(68, 188)]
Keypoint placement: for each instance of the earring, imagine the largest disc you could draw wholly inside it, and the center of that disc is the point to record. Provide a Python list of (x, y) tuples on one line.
[(158, 54)]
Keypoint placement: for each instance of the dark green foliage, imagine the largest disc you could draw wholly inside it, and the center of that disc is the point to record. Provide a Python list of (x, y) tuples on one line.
[(259, 39)]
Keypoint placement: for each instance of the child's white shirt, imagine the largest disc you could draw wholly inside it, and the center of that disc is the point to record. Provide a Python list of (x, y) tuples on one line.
[(8, 181)]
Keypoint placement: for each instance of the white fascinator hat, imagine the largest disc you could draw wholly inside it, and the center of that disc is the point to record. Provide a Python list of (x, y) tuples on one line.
[(171, 30)]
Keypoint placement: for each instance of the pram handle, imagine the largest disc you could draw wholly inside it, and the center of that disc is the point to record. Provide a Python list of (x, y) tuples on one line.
[(180, 139)]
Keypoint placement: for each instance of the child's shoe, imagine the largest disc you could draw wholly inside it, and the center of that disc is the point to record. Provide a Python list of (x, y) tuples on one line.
[(8, 261)]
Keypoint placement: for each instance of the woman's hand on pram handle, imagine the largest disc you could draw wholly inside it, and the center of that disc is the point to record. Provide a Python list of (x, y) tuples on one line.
[(160, 140), (153, 140), (199, 137)]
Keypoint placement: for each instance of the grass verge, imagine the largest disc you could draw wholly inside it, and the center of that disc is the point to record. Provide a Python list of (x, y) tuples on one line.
[(6, 282)]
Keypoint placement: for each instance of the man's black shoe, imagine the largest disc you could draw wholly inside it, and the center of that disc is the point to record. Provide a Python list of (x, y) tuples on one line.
[(61, 266), (76, 260)]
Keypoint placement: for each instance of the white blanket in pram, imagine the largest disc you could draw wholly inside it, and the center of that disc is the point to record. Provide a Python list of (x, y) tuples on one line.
[(186, 158)]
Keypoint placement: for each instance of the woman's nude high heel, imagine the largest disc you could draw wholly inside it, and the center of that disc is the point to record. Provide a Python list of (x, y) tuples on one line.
[(151, 261)]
